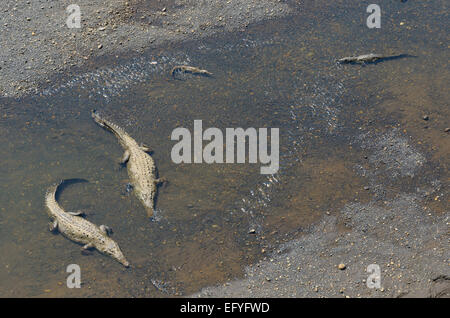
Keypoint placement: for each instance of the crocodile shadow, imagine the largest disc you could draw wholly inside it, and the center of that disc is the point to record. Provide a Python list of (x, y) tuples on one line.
[(391, 58), (179, 76), (67, 182)]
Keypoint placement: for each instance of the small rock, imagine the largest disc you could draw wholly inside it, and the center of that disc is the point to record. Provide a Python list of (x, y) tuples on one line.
[(426, 117), (100, 46), (342, 266), (447, 129), (252, 231)]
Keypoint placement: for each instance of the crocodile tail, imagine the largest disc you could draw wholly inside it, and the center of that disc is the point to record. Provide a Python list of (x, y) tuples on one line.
[(116, 130), (51, 191), (50, 195), (97, 118)]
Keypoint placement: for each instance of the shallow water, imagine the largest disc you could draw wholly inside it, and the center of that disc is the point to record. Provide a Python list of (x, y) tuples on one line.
[(275, 74)]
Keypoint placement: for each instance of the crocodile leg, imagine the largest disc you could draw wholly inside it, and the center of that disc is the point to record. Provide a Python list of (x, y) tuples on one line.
[(85, 250), (126, 156), (88, 246), (105, 229), (77, 213), (161, 181), (53, 227), (145, 149)]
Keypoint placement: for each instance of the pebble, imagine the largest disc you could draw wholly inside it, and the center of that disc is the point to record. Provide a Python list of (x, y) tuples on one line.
[(100, 46), (342, 266), (426, 117), (447, 129)]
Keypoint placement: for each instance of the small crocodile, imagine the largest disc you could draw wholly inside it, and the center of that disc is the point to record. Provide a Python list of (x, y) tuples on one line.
[(189, 69), (76, 228), (365, 58), (141, 167), (370, 58)]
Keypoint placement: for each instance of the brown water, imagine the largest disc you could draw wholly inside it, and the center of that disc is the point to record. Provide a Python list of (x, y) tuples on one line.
[(276, 74)]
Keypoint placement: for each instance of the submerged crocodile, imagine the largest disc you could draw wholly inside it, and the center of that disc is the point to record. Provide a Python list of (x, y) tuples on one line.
[(370, 58), (190, 69), (141, 167), (360, 58), (76, 228)]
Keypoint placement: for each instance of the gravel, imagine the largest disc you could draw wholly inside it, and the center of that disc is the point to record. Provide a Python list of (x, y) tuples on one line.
[(407, 240), (37, 44)]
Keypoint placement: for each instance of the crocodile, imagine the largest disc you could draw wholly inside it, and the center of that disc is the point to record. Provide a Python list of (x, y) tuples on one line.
[(361, 58), (189, 69), (140, 165), (73, 226), (370, 58)]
